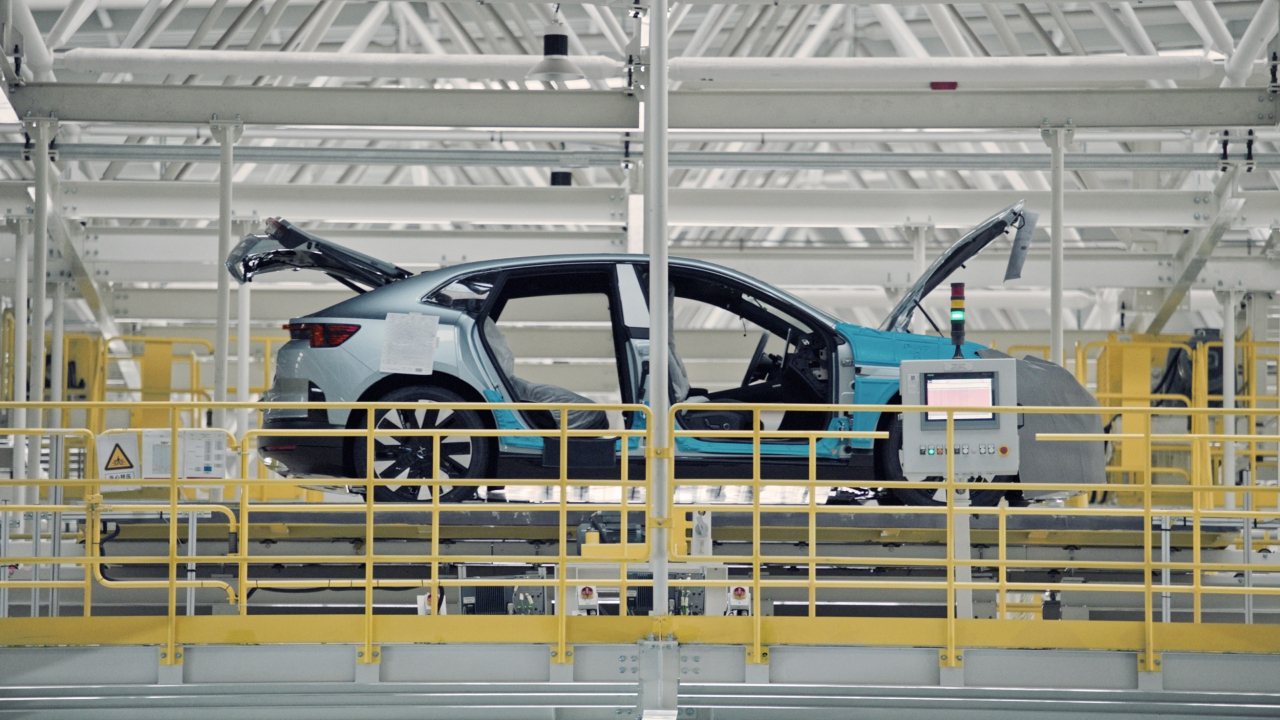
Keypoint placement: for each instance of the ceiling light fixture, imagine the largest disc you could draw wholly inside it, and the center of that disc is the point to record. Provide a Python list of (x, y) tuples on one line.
[(555, 64)]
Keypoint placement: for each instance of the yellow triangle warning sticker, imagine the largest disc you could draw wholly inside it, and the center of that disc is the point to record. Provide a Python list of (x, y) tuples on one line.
[(118, 460)]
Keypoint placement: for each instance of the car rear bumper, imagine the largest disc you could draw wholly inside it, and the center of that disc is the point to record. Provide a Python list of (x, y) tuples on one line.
[(303, 455)]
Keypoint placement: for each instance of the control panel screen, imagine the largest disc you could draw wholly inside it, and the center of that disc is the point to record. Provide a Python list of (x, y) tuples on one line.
[(976, 390)]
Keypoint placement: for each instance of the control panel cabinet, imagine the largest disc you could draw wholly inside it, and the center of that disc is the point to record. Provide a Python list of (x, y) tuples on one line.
[(985, 443)]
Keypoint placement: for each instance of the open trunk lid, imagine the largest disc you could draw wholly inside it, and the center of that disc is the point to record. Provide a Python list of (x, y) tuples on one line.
[(286, 246), (899, 319)]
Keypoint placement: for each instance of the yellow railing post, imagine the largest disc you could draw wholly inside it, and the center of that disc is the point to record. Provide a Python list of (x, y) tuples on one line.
[(436, 597), (371, 447), (1149, 661), (813, 526), (949, 652), (757, 563), (169, 657), (1002, 547), (242, 539), (562, 599)]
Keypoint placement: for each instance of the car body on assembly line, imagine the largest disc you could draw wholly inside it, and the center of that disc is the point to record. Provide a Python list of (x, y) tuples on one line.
[(335, 355)]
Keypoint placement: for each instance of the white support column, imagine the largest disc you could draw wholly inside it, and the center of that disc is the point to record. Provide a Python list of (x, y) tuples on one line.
[(21, 311), (243, 343), (655, 205), (226, 136), (919, 235), (41, 132), (1231, 426), (57, 383), (1057, 139)]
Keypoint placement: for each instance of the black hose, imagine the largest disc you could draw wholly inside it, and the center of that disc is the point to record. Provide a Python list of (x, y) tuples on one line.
[(102, 550)]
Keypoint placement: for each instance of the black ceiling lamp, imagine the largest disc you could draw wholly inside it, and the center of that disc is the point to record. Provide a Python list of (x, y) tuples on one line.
[(555, 64)]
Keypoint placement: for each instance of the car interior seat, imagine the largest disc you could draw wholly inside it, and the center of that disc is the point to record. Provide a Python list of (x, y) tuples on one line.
[(682, 392), (541, 392)]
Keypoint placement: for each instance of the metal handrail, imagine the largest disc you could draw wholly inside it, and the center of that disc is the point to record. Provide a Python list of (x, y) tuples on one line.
[(1200, 493)]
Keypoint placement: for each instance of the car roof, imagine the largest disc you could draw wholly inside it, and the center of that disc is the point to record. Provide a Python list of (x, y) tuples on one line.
[(434, 278)]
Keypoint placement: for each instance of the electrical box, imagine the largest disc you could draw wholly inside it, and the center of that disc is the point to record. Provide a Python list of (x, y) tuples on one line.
[(738, 600), (984, 442)]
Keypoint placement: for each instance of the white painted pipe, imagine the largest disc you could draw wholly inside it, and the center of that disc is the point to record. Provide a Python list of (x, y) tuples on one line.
[(243, 342), (227, 139), (33, 47), (57, 382), (655, 210), (71, 19), (751, 71), (1256, 35), (21, 313), (41, 135), (318, 64), (1056, 258)]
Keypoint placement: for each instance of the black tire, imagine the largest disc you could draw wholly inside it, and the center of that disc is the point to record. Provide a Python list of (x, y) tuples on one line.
[(409, 457), (888, 466)]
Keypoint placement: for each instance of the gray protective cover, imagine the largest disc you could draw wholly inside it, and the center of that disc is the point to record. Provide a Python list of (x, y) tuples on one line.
[(540, 392), (1042, 383)]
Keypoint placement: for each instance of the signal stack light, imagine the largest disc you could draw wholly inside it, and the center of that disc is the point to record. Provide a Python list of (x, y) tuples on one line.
[(957, 316)]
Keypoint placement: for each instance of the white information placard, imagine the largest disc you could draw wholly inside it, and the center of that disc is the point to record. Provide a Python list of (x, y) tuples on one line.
[(204, 454), (409, 346), (157, 455)]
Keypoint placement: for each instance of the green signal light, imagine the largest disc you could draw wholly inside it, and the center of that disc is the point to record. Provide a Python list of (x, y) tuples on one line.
[(957, 316)]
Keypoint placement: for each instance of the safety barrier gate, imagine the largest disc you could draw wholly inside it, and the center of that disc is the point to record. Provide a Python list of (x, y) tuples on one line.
[(845, 548)]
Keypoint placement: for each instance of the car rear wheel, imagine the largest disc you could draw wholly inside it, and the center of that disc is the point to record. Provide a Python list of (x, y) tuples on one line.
[(888, 459), (410, 457)]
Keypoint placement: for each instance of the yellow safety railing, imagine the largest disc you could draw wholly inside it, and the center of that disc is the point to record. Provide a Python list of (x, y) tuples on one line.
[(937, 566), (957, 633), (179, 629)]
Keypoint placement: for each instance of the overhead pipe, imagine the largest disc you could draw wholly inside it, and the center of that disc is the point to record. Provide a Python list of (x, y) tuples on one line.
[(747, 71), (1259, 32), (33, 48)]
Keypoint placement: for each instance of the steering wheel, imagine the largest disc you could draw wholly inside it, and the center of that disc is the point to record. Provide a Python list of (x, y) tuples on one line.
[(755, 360)]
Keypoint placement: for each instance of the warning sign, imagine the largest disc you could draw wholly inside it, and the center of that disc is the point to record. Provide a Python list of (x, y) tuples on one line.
[(118, 460), (118, 456)]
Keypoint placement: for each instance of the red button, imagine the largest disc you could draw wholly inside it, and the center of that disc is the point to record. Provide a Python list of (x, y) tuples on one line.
[(1004, 449)]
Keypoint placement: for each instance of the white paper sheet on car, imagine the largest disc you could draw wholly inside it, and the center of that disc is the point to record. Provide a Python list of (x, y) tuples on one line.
[(409, 343)]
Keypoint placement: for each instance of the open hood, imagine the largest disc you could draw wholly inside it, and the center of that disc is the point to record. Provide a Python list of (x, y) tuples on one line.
[(286, 247), (899, 319)]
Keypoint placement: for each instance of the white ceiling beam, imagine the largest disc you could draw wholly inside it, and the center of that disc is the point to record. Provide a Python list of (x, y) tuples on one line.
[(739, 207), (904, 72), (1014, 108), (832, 276), (320, 65), (57, 5)]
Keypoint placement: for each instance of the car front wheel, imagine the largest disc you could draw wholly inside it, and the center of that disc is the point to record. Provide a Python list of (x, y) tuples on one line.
[(411, 457)]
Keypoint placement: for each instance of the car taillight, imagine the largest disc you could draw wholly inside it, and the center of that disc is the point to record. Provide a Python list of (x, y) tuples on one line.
[(321, 335)]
